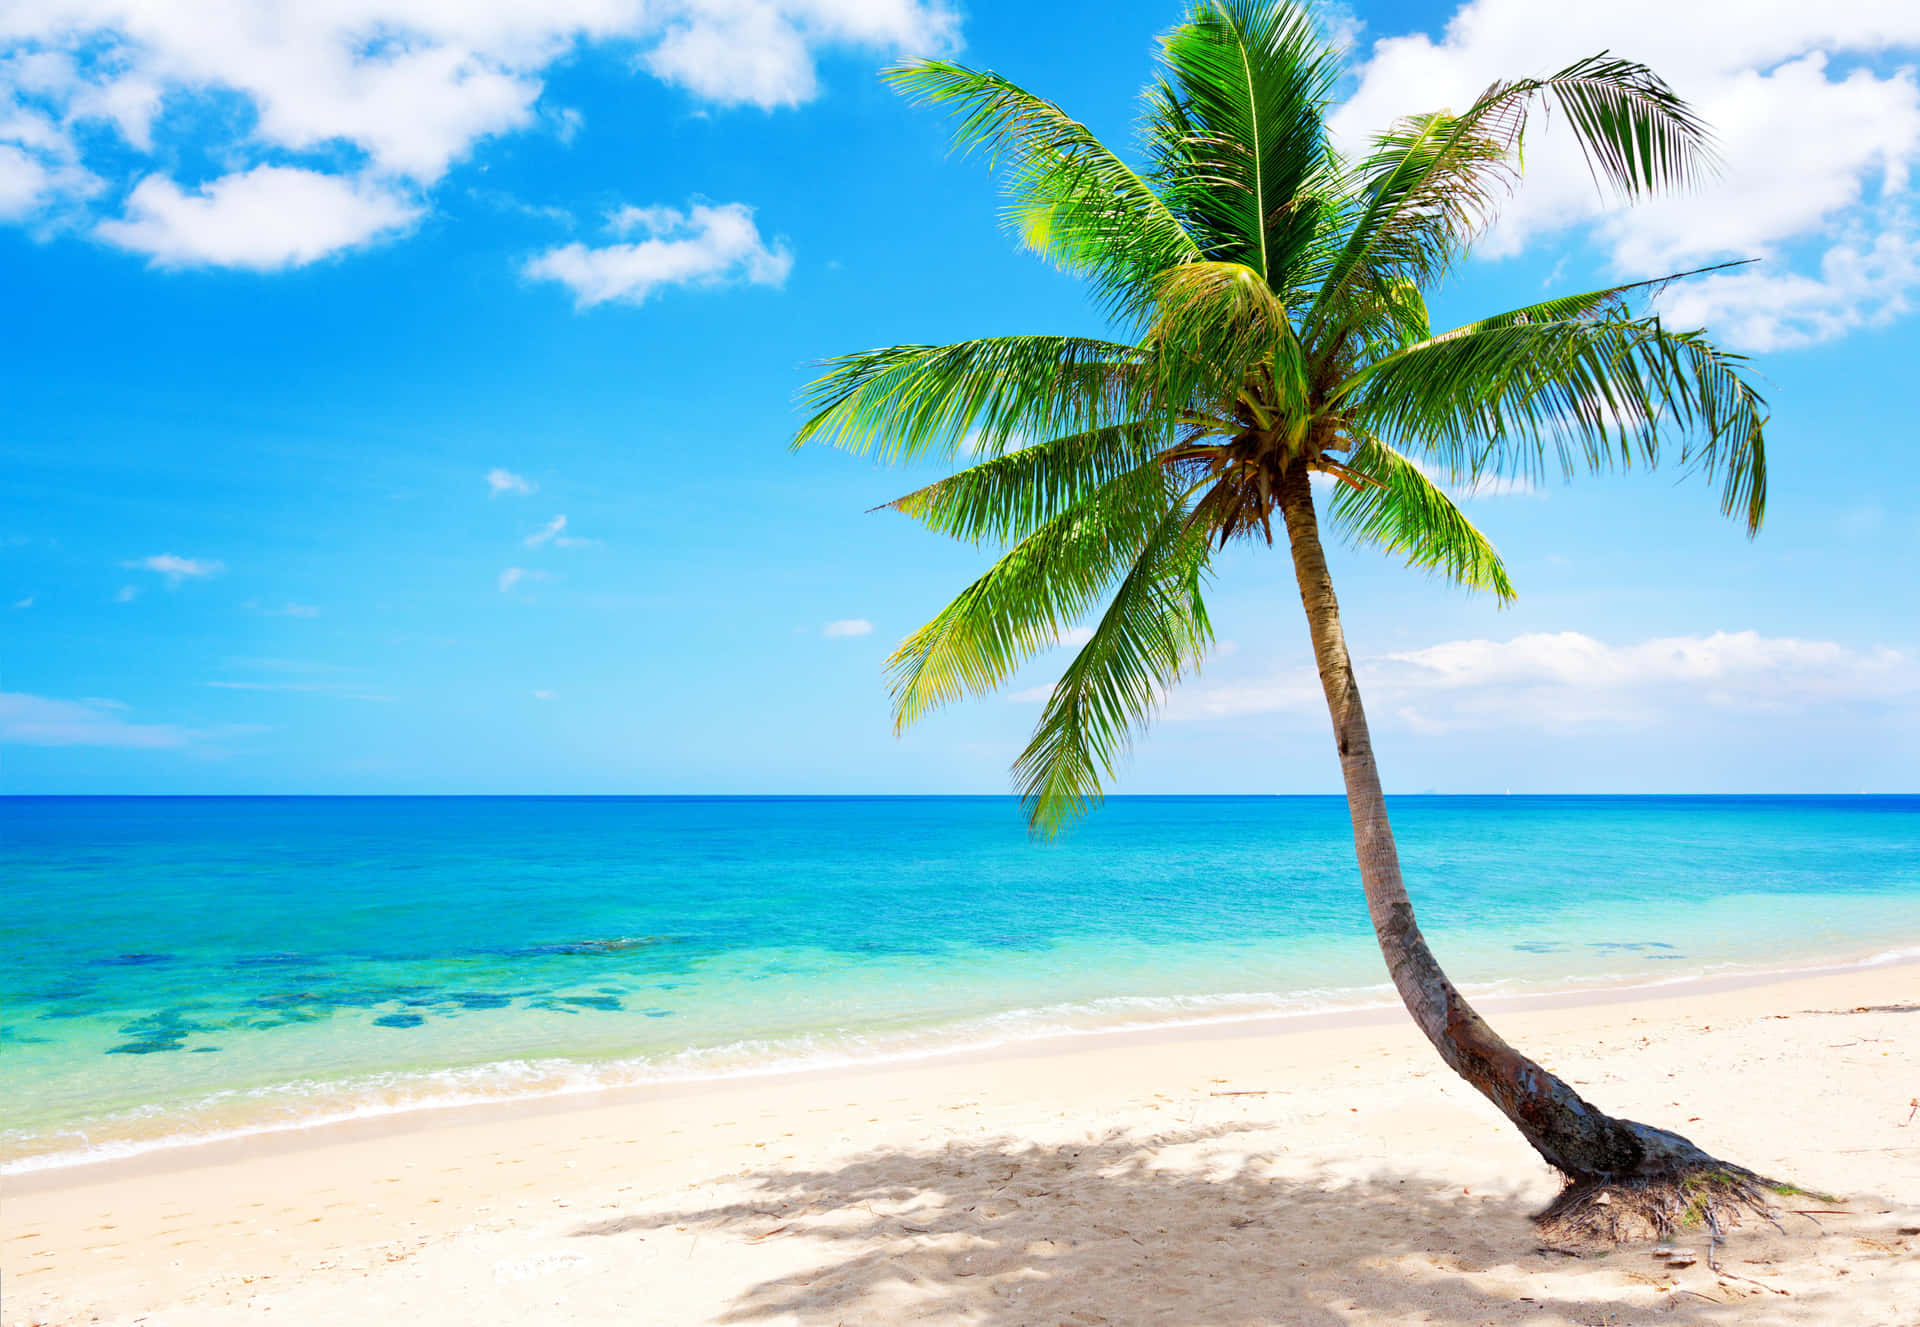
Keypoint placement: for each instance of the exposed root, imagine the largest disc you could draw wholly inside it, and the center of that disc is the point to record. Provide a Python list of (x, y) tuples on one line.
[(1592, 1213)]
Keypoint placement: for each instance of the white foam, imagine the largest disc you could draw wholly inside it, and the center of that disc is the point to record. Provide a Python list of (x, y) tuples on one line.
[(303, 1104)]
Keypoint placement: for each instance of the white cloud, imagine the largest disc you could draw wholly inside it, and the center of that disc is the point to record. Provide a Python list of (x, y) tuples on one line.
[(513, 576), (291, 609), (28, 184), (383, 96), (126, 594), (42, 721), (174, 568), (1816, 109), (1566, 680), (24, 603), (708, 244), (505, 481), (848, 626), (264, 219), (543, 695)]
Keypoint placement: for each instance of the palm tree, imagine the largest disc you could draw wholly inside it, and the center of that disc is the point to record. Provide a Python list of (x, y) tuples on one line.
[(1272, 288)]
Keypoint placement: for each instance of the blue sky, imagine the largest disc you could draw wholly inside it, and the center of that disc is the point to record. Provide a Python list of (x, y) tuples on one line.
[(322, 316)]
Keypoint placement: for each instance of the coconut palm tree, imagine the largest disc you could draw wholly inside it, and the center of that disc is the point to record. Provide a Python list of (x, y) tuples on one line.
[(1270, 289)]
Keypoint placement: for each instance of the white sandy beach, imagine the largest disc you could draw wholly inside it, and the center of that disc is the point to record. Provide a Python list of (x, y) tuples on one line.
[(1290, 1171)]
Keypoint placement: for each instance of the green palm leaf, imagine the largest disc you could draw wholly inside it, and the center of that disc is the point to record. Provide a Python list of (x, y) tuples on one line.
[(1385, 499), (1027, 600), (1237, 130), (1011, 496), (1590, 393), (906, 402), (1073, 200), (1155, 629), (1433, 182)]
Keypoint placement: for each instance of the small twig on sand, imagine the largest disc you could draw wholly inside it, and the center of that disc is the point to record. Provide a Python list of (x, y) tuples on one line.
[(1915, 1104), (1260, 1093), (1713, 1243)]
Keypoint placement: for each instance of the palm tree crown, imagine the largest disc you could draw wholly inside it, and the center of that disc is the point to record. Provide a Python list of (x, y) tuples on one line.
[(1270, 289)]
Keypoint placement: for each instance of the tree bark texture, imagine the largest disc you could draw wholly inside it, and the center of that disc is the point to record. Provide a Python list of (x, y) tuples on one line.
[(1582, 1142)]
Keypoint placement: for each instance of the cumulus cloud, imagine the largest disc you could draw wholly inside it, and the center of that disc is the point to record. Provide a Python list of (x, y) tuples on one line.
[(380, 97), (1817, 113), (28, 185), (708, 244), (266, 218), (505, 481), (1565, 680), (43, 721), (174, 568), (848, 626)]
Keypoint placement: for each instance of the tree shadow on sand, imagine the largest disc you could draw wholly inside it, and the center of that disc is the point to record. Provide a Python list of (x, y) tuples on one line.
[(999, 1234)]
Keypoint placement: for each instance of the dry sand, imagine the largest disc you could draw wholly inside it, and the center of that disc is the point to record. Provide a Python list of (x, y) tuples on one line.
[(1276, 1172)]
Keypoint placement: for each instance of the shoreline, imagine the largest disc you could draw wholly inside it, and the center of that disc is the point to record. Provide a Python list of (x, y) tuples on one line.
[(1173, 1175), (43, 1172)]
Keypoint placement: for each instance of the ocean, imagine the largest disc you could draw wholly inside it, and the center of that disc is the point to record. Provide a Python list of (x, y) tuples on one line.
[(174, 969)]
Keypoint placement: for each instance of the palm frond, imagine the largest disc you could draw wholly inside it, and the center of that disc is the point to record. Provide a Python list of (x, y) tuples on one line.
[(1011, 496), (1387, 500), (902, 403), (1236, 129), (1433, 182), (1154, 630), (1073, 199), (1213, 324), (1024, 603), (1588, 393)]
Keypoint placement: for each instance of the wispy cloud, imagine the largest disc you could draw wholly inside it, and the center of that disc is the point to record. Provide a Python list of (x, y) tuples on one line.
[(177, 569), (24, 603), (848, 626), (501, 481), (1566, 680), (551, 533), (43, 721), (341, 690), (288, 609), (1481, 486), (126, 594), (542, 695), (513, 576)]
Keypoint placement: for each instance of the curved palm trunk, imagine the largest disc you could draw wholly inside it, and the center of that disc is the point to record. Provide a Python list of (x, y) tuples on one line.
[(1669, 1178)]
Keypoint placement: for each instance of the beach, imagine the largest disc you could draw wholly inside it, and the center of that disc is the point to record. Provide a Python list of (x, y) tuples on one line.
[(1318, 1169)]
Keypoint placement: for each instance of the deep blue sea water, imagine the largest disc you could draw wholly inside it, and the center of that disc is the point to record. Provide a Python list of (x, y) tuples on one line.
[(179, 967)]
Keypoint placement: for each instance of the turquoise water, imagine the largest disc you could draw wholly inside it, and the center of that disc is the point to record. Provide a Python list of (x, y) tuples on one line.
[(181, 967)]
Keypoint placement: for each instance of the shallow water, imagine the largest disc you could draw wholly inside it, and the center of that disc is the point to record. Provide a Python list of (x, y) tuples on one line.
[(179, 967)]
